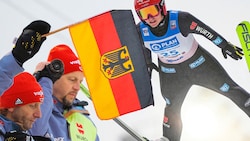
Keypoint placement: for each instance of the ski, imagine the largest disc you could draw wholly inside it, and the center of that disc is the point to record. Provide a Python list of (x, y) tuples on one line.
[(243, 31)]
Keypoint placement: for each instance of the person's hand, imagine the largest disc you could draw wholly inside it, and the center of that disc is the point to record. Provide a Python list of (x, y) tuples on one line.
[(53, 70), (40, 66), (233, 51), (30, 41), (21, 136)]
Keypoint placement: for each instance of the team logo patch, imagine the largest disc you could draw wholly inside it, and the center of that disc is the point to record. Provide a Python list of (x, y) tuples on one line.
[(172, 24), (225, 87), (193, 25), (145, 31), (197, 62), (116, 63)]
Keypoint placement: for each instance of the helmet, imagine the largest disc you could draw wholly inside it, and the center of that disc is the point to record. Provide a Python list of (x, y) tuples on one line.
[(139, 4)]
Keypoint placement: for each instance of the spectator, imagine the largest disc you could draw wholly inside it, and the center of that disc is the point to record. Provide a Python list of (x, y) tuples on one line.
[(20, 94), (65, 117), (20, 107)]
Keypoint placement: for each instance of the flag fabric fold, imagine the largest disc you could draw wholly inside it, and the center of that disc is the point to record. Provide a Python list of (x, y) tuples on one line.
[(111, 55)]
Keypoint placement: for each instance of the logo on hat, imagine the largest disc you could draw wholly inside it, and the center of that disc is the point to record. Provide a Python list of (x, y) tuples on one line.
[(38, 93), (142, 1), (76, 62), (18, 101), (116, 63)]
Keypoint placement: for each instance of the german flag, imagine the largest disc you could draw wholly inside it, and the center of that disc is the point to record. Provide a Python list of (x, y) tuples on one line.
[(111, 55)]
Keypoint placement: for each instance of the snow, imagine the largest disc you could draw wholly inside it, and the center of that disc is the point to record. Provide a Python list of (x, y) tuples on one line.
[(207, 116)]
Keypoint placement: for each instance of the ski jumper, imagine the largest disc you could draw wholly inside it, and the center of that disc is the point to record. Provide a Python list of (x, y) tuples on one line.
[(183, 62)]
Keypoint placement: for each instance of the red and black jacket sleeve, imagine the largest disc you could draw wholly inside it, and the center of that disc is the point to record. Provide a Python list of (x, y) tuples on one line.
[(190, 24)]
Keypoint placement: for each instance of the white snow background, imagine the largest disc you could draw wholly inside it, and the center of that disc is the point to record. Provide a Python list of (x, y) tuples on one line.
[(207, 116)]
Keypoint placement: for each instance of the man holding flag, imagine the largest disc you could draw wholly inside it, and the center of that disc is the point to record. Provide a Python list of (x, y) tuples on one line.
[(20, 94)]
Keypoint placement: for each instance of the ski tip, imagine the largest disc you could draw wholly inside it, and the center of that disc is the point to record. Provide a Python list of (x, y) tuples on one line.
[(243, 22)]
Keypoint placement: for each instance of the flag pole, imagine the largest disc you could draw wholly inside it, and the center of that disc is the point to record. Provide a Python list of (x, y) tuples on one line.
[(129, 130), (62, 28), (117, 120), (55, 31)]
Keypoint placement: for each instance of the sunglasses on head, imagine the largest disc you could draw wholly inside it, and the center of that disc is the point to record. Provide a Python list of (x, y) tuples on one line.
[(146, 12)]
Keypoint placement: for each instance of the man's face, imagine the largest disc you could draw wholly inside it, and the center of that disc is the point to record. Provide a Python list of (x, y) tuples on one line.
[(66, 88), (25, 115)]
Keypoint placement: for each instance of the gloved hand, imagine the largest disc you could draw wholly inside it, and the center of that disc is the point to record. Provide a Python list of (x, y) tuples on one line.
[(233, 51), (81, 104), (54, 71), (30, 41), (21, 136), (15, 136)]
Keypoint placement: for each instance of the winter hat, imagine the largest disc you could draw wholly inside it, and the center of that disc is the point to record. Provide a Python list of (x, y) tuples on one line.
[(67, 56), (24, 90)]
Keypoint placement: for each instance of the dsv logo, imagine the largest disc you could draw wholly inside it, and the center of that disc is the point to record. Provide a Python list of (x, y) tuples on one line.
[(246, 36)]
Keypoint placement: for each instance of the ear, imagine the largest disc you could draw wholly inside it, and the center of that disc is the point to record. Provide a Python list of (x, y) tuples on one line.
[(11, 109)]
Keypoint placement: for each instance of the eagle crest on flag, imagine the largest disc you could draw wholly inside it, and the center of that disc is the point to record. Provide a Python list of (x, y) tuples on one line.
[(116, 63)]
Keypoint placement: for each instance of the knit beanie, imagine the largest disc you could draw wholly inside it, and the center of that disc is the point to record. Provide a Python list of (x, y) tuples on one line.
[(67, 56), (24, 90)]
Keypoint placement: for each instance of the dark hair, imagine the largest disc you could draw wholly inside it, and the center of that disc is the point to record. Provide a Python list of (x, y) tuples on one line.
[(3, 111)]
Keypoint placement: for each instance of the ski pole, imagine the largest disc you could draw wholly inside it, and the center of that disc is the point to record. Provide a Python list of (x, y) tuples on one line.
[(129, 130), (117, 120)]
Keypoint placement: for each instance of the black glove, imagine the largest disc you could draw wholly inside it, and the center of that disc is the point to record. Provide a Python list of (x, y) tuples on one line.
[(54, 71), (79, 103), (30, 41), (15, 136), (233, 51), (21, 136)]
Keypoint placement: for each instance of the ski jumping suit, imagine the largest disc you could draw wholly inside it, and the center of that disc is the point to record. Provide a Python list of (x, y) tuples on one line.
[(183, 62)]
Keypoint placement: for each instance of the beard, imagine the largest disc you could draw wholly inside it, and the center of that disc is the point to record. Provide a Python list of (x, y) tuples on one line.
[(67, 102)]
